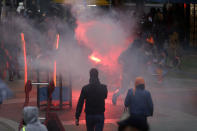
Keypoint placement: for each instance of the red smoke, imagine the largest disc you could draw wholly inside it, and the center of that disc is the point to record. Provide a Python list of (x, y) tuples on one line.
[(102, 38), (94, 58), (25, 58)]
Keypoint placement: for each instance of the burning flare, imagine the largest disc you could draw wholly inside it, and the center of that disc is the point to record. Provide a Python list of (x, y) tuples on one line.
[(150, 40), (106, 41), (25, 58), (55, 73), (55, 64), (57, 42), (94, 58)]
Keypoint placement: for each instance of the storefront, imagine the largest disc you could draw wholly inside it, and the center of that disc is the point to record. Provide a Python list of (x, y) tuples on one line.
[(193, 25)]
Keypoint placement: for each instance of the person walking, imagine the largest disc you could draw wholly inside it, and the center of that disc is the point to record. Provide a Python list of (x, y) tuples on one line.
[(31, 121), (139, 101), (94, 94), (132, 62)]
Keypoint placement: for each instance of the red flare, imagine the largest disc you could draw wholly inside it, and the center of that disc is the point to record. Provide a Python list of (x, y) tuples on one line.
[(57, 42), (25, 58), (95, 59), (54, 75), (150, 40), (185, 5), (55, 64), (99, 37)]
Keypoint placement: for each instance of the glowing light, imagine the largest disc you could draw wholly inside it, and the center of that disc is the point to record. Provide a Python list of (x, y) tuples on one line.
[(55, 103), (95, 59), (57, 42), (185, 5), (54, 75), (150, 40), (25, 58), (91, 5), (55, 64), (8, 54), (106, 47)]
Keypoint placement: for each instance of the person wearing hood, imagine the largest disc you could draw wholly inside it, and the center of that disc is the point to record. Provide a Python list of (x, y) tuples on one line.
[(32, 123), (5, 92), (94, 94), (139, 101)]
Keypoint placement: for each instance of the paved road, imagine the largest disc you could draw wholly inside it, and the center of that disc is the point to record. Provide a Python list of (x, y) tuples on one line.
[(175, 108)]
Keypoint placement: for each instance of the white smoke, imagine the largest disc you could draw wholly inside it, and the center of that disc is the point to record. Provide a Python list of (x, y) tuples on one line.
[(72, 54)]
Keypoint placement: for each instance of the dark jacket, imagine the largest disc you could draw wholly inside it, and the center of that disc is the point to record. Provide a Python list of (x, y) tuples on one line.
[(139, 103), (94, 94)]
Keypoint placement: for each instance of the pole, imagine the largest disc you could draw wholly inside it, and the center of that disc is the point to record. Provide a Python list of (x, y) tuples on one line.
[(38, 87), (194, 33), (60, 93), (70, 87)]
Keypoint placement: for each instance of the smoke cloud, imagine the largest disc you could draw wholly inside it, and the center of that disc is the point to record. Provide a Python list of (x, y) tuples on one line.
[(91, 32)]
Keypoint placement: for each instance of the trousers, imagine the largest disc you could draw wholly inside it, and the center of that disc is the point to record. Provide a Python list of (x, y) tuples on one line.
[(95, 122)]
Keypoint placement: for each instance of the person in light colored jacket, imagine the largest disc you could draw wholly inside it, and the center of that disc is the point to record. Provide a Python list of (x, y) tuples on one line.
[(32, 123)]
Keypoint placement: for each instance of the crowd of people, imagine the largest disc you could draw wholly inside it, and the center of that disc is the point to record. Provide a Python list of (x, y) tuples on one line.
[(157, 47), (169, 32), (159, 36), (40, 31), (138, 103), (162, 36)]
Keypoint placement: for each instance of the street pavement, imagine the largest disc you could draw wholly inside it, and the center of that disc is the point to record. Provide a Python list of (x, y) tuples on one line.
[(175, 107)]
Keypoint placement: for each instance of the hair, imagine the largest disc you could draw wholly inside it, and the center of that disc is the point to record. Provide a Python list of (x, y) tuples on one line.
[(94, 76)]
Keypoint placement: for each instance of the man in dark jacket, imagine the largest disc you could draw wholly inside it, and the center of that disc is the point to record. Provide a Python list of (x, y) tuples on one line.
[(94, 94), (139, 101)]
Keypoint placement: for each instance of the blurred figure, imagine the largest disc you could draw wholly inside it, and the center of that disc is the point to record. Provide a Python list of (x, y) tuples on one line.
[(132, 62), (94, 94), (12, 53), (3, 67), (175, 50), (1, 99), (133, 124), (162, 68), (5, 92), (31, 121), (139, 101), (20, 7)]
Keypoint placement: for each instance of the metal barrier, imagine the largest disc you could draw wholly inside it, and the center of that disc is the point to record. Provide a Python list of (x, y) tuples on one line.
[(60, 86)]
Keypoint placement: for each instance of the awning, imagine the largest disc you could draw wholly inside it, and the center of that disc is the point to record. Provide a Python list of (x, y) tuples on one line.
[(174, 1)]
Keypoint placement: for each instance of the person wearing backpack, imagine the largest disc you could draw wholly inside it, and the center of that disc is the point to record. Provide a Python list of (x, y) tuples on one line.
[(139, 101)]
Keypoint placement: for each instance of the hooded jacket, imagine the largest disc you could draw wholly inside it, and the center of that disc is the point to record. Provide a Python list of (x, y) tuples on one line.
[(139, 100), (5, 92), (30, 115), (94, 94), (139, 103)]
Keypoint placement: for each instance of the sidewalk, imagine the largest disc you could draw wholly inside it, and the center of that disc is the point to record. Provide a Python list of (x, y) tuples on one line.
[(8, 125), (175, 108), (164, 119)]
